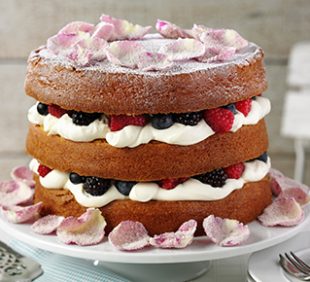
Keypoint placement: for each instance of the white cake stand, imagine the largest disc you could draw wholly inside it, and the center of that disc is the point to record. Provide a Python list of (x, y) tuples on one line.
[(158, 264)]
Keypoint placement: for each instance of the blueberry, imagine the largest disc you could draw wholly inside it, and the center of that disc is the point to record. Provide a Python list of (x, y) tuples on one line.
[(192, 118), (124, 187), (76, 178), (215, 178), (263, 157), (96, 186), (161, 121), (231, 107), (42, 109)]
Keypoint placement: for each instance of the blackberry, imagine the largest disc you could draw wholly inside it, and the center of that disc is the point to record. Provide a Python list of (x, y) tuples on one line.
[(42, 109), (188, 118), (231, 107), (161, 121), (124, 187), (80, 118), (263, 157), (76, 178), (96, 186), (215, 178)]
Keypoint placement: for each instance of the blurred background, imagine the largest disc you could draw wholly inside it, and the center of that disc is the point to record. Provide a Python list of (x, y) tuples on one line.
[(275, 25)]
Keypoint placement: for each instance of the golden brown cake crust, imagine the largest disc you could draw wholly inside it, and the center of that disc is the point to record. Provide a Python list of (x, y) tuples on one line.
[(91, 90), (153, 161), (164, 216)]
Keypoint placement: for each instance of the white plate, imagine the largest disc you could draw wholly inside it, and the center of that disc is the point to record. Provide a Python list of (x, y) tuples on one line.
[(263, 265), (201, 249)]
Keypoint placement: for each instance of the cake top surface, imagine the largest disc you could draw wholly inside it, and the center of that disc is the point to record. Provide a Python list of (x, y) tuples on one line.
[(117, 46)]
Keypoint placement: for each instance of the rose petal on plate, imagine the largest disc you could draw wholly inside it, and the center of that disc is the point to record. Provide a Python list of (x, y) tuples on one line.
[(13, 193), (23, 174), (47, 224), (284, 211), (125, 53), (103, 30), (183, 49), (225, 232), (129, 236), (180, 239), (170, 30), (153, 61), (76, 27), (18, 214), (88, 229), (298, 194), (124, 29)]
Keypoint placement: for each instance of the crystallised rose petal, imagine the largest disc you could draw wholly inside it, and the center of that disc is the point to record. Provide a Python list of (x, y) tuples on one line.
[(225, 232), (298, 194), (124, 29), (23, 174), (103, 30), (180, 239), (47, 224), (88, 229), (284, 211), (14, 193), (59, 42), (183, 49), (217, 54), (76, 27), (18, 214), (153, 61), (170, 30), (129, 236)]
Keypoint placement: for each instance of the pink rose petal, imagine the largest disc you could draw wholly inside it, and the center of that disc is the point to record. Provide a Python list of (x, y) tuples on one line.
[(58, 43), (284, 211), (18, 214), (47, 224), (88, 229), (23, 174), (217, 54), (298, 194), (170, 30), (129, 236), (76, 27), (124, 29), (153, 61), (179, 239), (103, 30), (14, 193), (183, 49), (225, 232)]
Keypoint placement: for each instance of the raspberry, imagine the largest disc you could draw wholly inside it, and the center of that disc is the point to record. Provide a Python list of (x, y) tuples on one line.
[(171, 183), (215, 178), (119, 122), (56, 111), (80, 118), (219, 119), (244, 106), (188, 118), (235, 171), (43, 170), (96, 186)]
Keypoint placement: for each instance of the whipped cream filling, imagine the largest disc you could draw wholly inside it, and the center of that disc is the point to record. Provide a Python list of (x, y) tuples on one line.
[(133, 136), (190, 190)]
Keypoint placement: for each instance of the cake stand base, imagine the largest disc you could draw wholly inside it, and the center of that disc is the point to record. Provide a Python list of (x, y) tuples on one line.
[(172, 272)]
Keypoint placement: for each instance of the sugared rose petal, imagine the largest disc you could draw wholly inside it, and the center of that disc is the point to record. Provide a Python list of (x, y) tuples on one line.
[(170, 30), (47, 224), (76, 27), (13, 193), (123, 29), (284, 211), (23, 174), (153, 61), (180, 239), (183, 49), (298, 194), (58, 43), (88, 229), (103, 30), (218, 54), (129, 236), (18, 214), (225, 232)]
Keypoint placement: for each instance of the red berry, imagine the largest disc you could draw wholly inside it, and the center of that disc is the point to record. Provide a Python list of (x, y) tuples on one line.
[(56, 111), (119, 122), (244, 106), (235, 171), (171, 183), (219, 119), (43, 170)]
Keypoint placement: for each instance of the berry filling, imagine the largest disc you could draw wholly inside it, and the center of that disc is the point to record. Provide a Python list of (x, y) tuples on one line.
[(43, 170)]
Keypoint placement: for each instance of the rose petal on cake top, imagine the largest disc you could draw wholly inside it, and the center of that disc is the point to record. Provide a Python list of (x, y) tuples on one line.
[(217, 54), (284, 211), (298, 194), (18, 214), (58, 43), (125, 53), (76, 27), (225, 232), (103, 30), (183, 49), (180, 239), (129, 236), (13, 193), (153, 61), (47, 224), (124, 29), (170, 30), (23, 174), (88, 229)]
